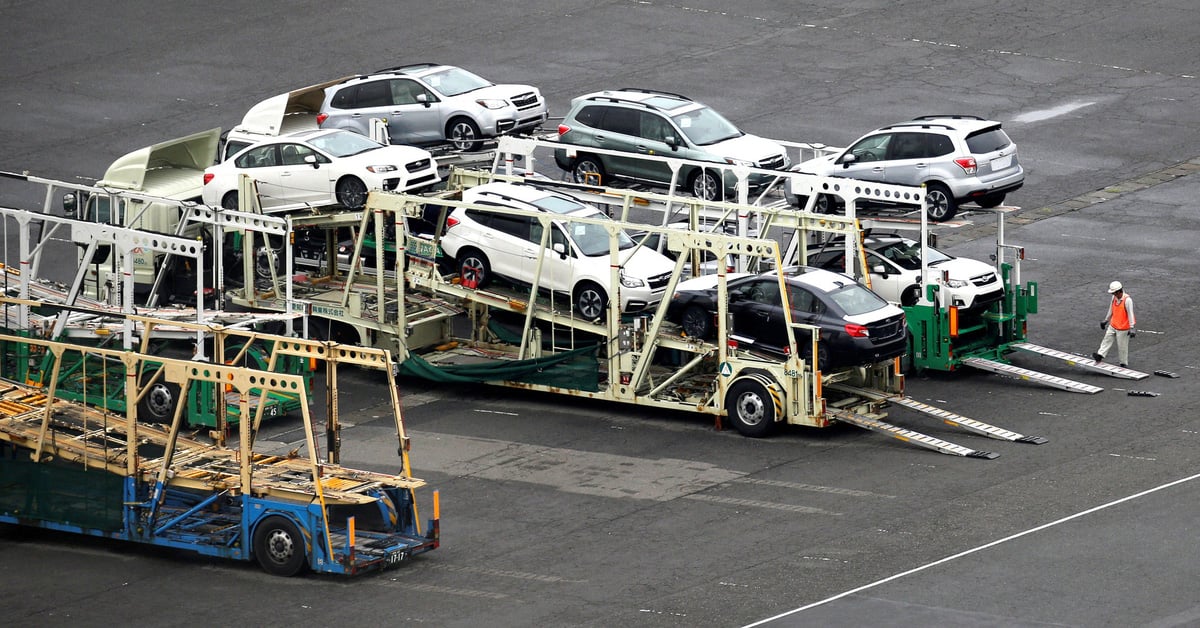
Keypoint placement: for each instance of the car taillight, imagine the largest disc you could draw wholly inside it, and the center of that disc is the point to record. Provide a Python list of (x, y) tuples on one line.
[(967, 164), (451, 221), (208, 176), (321, 118), (563, 129), (857, 331)]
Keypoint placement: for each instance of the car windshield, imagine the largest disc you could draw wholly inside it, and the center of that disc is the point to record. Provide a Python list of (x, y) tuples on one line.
[(344, 143), (704, 126), (559, 205), (907, 254), (855, 299), (592, 239), (455, 81)]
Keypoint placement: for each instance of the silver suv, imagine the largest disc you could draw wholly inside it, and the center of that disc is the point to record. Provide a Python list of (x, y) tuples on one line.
[(647, 122), (429, 103), (958, 158)]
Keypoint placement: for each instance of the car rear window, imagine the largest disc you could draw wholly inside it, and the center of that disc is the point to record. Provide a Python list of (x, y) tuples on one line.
[(854, 299), (988, 140)]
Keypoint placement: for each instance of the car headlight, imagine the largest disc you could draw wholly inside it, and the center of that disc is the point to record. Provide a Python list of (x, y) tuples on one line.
[(956, 283), (491, 103), (739, 162), (631, 282), (381, 169)]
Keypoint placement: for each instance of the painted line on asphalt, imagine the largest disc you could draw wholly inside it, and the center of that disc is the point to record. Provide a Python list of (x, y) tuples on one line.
[(973, 550), (754, 503)]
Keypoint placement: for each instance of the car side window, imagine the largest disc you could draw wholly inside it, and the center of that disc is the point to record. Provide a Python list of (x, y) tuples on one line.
[(590, 116), (938, 145), (294, 154), (623, 121), (344, 98), (405, 91), (907, 146), (517, 226), (654, 128), (261, 157), (373, 94), (765, 292), (871, 148), (804, 301)]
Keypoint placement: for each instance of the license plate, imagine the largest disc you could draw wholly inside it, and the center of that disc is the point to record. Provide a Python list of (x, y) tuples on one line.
[(1000, 163), (396, 557)]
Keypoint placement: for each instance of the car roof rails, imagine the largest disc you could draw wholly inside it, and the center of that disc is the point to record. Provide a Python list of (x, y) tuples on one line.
[(409, 66), (643, 90), (949, 116)]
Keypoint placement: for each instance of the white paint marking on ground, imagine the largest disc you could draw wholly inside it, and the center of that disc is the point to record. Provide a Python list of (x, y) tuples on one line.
[(753, 503), (503, 573), (974, 550), (1133, 457), (812, 487), (496, 412), (1053, 112)]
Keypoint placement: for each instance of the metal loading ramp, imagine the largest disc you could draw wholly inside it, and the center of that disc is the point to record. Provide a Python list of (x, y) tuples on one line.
[(1017, 372), (907, 435), (1082, 361)]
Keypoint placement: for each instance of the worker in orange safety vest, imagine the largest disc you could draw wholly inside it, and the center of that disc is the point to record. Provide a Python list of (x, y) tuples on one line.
[(1117, 325)]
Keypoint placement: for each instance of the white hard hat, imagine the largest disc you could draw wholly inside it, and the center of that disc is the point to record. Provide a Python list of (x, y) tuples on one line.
[(1114, 286)]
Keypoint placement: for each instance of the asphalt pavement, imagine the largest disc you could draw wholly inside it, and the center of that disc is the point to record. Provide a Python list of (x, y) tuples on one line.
[(569, 512)]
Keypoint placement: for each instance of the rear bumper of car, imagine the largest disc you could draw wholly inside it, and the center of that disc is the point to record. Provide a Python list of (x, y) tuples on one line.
[(975, 188)]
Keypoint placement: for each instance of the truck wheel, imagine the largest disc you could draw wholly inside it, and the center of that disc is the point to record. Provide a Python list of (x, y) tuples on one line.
[(159, 402), (352, 192), (588, 171), (696, 322), (464, 134), (940, 204), (751, 408), (278, 546), (473, 269), (706, 185), (590, 300)]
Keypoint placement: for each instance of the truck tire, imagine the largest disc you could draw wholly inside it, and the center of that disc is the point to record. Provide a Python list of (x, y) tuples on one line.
[(279, 547), (159, 402), (751, 408)]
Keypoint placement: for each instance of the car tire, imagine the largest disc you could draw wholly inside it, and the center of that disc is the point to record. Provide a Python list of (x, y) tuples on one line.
[(910, 295), (474, 269), (351, 192), (590, 300), (696, 322), (464, 134), (230, 200), (826, 204), (705, 185), (279, 547), (989, 201), (940, 203), (586, 167), (751, 408)]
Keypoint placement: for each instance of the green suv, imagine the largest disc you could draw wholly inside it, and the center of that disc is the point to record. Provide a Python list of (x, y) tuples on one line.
[(652, 123)]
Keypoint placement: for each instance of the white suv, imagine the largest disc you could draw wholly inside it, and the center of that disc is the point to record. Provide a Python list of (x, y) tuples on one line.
[(958, 158), (576, 260), (894, 263)]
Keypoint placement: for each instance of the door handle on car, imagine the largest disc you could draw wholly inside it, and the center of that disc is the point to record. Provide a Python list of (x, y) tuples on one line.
[(641, 148)]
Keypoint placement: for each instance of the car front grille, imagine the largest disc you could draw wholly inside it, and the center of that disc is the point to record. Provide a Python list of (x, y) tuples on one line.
[(772, 163), (886, 329), (524, 101), (658, 281), (984, 279), (417, 166), (503, 126)]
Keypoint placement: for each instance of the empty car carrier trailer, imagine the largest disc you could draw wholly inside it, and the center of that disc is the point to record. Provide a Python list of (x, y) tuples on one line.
[(444, 329)]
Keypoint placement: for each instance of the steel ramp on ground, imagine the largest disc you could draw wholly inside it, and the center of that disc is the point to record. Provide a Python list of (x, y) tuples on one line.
[(1030, 375), (907, 435), (948, 417), (1083, 361)]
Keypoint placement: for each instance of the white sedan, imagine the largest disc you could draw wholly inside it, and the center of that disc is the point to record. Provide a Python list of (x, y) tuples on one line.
[(319, 167)]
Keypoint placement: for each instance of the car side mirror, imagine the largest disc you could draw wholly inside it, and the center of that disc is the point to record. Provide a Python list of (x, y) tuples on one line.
[(879, 269), (312, 161), (848, 159), (70, 203), (672, 141), (737, 295), (561, 249), (424, 100)]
